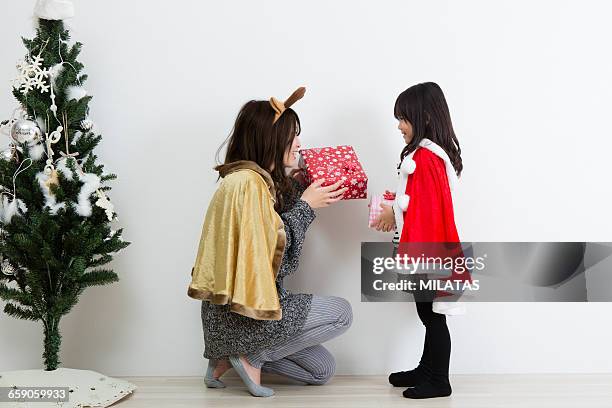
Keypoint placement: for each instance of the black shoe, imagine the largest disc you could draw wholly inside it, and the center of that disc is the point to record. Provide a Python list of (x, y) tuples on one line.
[(408, 378), (428, 390)]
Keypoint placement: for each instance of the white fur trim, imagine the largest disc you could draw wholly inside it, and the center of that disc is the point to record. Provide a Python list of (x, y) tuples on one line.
[(403, 201), (451, 175), (76, 92), (91, 184), (36, 151), (54, 9), (408, 165), (399, 217), (9, 209), (55, 70), (449, 308)]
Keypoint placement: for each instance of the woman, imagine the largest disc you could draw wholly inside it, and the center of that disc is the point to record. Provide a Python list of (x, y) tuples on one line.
[(252, 239)]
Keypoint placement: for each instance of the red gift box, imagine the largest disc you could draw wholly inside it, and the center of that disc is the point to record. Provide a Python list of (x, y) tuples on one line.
[(333, 164)]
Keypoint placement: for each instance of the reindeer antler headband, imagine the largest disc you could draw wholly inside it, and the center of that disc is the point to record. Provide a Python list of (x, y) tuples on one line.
[(280, 107)]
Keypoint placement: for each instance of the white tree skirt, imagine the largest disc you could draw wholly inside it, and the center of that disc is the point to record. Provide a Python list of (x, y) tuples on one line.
[(90, 389)]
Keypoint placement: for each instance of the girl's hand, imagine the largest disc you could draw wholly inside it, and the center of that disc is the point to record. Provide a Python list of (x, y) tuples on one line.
[(386, 220), (317, 196)]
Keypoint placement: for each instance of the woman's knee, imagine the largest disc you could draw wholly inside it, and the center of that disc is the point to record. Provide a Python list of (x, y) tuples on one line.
[(344, 311), (326, 368)]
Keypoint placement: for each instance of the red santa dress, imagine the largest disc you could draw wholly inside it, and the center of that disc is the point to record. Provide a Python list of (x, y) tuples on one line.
[(423, 207)]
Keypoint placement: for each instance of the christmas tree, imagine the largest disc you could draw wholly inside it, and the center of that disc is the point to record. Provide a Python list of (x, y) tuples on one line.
[(55, 215)]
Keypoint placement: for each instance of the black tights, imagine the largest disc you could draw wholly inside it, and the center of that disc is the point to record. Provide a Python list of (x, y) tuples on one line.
[(437, 347)]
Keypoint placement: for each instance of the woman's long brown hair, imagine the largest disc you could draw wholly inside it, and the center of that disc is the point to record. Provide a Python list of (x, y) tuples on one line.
[(256, 138)]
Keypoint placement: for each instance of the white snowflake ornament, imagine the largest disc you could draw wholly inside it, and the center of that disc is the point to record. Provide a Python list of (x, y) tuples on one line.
[(104, 203), (32, 75)]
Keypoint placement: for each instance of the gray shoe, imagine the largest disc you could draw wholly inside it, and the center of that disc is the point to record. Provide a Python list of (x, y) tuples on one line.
[(209, 380), (256, 390)]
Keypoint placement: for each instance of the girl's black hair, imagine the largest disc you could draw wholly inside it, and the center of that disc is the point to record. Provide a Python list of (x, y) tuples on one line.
[(424, 106)]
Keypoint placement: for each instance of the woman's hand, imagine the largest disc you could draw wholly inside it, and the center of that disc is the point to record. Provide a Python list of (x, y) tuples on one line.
[(317, 196), (386, 220)]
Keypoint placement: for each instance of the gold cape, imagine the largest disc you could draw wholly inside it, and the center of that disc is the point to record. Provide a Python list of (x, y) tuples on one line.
[(242, 244)]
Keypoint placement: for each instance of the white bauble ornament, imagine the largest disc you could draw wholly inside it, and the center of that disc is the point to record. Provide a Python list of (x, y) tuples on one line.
[(41, 124), (7, 268), (25, 131)]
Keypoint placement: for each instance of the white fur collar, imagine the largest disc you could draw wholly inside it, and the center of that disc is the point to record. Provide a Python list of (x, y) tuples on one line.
[(408, 166)]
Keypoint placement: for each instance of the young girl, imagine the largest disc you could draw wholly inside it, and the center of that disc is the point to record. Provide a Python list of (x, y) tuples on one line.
[(251, 240), (423, 212)]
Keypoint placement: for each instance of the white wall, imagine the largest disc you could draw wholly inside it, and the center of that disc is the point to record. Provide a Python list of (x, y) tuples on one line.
[(529, 87)]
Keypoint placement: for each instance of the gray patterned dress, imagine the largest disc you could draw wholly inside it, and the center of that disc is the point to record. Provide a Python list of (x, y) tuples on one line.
[(227, 333)]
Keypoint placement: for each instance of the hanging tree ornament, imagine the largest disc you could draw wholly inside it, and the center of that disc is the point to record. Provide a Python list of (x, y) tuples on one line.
[(45, 182), (53, 138), (6, 126), (53, 179), (25, 131), (10, 153), (7, 268), (53, 107), (67, 155), (104, 203), (32, 75), (9, 208)]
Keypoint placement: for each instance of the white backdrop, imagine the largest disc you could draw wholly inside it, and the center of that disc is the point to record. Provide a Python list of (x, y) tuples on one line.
[(528, 84)]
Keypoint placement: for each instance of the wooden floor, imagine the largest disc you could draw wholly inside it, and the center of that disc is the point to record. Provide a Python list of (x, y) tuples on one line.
[(469, 391)]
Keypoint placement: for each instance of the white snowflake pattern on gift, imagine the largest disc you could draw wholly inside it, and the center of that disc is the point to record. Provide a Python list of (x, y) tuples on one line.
[(332, 161)]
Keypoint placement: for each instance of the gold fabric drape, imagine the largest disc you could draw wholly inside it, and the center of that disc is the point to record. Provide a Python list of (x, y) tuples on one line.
[(242, 244)]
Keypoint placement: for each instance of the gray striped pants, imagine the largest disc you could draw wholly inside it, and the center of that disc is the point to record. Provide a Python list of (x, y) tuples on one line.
[(302, 357)]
